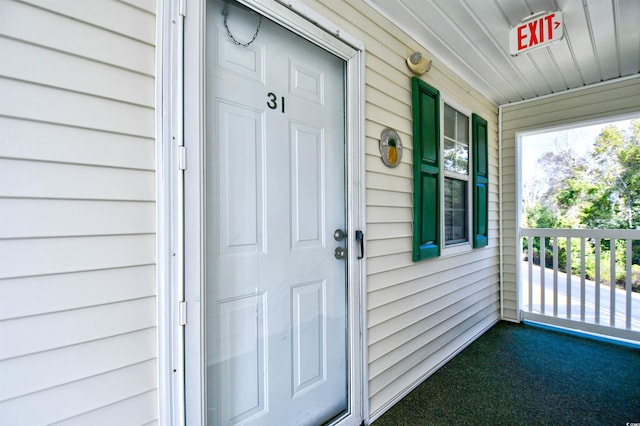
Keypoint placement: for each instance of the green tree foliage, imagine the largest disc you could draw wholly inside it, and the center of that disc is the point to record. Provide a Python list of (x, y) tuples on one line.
[(540, 216), (610, 198)]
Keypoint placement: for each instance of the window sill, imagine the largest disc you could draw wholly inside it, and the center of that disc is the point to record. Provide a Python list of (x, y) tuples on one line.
[(455, 249)]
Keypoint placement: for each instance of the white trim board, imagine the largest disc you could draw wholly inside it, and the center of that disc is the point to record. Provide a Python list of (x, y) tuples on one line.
[(169, 248)]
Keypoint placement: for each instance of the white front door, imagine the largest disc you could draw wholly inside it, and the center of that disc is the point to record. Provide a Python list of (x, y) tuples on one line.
[(276, 293)]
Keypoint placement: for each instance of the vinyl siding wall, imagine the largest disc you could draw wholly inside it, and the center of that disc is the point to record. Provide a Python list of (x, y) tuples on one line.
[(77, 212), (577, 107), (419, 314)]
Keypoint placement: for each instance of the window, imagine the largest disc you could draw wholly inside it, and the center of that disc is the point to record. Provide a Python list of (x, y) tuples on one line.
[(456, 176), (450, 175)]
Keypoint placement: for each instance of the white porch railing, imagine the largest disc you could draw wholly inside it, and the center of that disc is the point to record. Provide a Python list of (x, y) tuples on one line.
[(559, 296)]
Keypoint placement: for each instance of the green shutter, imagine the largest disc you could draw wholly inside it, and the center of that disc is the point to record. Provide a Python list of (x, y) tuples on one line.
[(426, 170), (480, 182)]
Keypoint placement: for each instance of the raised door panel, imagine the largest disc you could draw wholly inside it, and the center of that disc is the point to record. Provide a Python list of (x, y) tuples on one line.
[(308, 185)]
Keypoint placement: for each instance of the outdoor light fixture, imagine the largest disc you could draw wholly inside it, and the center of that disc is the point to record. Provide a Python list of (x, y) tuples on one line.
[(417, 64)]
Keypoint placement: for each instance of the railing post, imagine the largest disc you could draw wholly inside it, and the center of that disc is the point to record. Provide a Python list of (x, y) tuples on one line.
[(597, 313), (569, 274), (628, 283), (555, 276), (612, 282), (530, 262), (543, 262), (583, 278)]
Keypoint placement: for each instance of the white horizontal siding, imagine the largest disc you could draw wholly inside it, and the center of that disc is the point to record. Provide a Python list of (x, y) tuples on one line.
[(113, 16), (43, 66), (76, 398), (78, 309), (385, 198), (419, 314), (37, 26), (44, 370), (63, 218), (59, 329), (131, 411), (53, 105), (43, 256), (594, 103), (29, 140), (67, 291), (408, 342), (411, 322), (388, 231), (146, 5), (613, 99), (416, 292), (36, 179)]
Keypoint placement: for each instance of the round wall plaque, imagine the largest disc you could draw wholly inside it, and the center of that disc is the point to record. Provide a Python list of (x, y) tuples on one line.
[(390, 147)]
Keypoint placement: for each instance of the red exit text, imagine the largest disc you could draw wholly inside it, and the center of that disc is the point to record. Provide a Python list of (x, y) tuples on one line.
[(536, 32)]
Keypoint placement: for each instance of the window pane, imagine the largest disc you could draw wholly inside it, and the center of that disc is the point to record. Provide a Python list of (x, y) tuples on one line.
[(449, 154), (462, 126), (462, 137), (455, 211), (456, 143), (462, 159), (456, 157), (449, 122)]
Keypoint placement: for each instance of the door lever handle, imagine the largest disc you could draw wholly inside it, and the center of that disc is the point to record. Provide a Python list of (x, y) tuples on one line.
[(360, 238)]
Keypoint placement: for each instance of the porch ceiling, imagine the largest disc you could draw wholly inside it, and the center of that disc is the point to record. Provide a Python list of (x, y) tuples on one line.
[(601, 42)]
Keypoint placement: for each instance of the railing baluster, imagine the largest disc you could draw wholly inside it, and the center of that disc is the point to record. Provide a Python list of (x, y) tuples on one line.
[(555, 276), (597, 281), (628, 283), (569, 274), (543, 262), (583, 277), (612, 282), (530, 262)]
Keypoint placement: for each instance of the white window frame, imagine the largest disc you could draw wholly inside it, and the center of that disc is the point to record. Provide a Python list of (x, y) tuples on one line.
[(465, 246)]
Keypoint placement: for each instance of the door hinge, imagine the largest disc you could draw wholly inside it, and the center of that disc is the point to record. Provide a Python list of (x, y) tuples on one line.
[(183, 8), (182, 313), (182, 157)]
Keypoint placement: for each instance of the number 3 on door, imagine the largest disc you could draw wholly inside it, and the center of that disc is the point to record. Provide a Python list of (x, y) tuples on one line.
[(273, 101)]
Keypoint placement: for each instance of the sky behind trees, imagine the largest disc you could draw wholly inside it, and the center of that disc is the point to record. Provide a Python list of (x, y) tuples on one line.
[(581, 139)]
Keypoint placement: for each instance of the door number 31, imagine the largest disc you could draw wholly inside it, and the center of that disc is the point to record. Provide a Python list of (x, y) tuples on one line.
[(273, 101)]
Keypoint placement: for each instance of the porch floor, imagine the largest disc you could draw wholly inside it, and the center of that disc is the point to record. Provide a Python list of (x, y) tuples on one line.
[(521, 374)]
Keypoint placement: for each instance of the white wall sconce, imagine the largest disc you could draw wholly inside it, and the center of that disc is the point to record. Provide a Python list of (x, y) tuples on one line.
[(418, 64)]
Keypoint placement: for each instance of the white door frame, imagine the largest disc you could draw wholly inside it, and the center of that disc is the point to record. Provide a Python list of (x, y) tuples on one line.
[(181, 203)]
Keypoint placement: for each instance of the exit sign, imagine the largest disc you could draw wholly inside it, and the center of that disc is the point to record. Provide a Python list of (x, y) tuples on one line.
[(535, 31)]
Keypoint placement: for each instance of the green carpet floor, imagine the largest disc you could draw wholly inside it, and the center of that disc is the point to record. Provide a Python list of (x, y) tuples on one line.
[(517, 374)]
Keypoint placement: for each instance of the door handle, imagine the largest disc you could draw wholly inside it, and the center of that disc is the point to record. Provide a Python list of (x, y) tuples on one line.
[(360, 238)]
